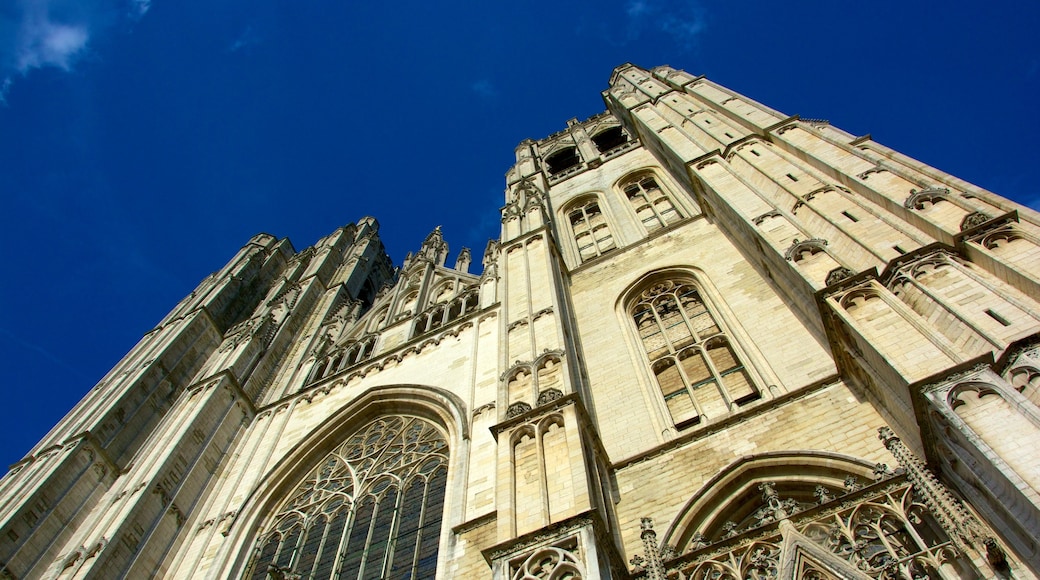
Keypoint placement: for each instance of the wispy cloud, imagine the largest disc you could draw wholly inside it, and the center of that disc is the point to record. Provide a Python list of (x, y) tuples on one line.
[(39, 350), (37, 34), (682, 21), (246, 39), (484, 89)]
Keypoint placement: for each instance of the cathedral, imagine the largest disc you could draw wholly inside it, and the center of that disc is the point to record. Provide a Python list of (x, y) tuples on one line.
[(713, 341)]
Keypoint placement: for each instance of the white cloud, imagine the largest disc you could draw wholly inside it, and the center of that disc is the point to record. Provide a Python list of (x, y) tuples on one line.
[(636, 8), (56, 33), (139, 7), (682, 20), (46, 43)]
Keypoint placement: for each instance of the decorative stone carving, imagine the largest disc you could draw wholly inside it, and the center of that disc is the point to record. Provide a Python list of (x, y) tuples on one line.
[(654, 570), (870, 171), (517, 409), (769, 214), (550, 563), (974, 220), (548, 396), (838, 275), (918, 198), (798, 248), (950, 514)]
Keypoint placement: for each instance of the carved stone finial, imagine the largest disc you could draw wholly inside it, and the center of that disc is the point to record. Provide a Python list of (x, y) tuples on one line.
[(434, 248), (463, 261), (949, 513), (654, 569)]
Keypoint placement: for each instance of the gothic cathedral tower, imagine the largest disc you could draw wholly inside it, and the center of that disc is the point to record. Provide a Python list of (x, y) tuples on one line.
[(712, 341)]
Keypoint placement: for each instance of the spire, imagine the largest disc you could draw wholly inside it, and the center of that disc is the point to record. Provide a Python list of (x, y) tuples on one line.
[(434, 248), (463, 261)]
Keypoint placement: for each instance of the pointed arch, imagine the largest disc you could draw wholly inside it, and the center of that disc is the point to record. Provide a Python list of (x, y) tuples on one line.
[(589, 227), (757, 519), (441, 416), (654, 206), (724, 497), (696, 363)]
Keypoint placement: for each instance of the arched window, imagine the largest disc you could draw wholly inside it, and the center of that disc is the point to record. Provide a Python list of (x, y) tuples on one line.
[(652, 205), (562, 160), (699, 372), (370, 509), (865, 527), (608, 139), (344, 357), (590, 229)]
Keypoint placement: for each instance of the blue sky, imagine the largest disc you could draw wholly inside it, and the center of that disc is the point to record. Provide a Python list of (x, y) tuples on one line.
[(142, 142)]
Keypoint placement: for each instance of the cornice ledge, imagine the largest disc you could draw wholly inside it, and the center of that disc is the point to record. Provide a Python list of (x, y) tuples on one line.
[(699, 162), (1010, 355), (475, 523), (781, 124), (962, 237), (862, 139), (547, 534)]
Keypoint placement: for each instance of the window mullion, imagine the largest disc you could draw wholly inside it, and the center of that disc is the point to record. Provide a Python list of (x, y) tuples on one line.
[(686, 319), (661, 327), (653, 207), (686, 381), (718, 377), (421, 531)]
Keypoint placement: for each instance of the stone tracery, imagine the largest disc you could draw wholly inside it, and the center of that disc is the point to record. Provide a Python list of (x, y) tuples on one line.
[(371, 508)]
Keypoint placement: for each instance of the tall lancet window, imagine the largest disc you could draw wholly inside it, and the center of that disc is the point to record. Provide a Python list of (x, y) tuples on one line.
[(370, 509), (699, 372), (591, 231), (652, 204)]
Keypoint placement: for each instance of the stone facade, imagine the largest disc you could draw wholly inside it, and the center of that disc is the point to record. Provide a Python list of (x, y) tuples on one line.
[(712, 341)]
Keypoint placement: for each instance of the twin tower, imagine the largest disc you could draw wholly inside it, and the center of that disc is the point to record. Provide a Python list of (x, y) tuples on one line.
[(712, 341)]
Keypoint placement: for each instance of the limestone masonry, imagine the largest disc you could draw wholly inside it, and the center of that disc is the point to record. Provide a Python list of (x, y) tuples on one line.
[(712, 342)]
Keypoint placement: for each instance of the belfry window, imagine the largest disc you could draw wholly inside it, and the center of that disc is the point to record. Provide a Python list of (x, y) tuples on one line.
[(371, 508), (609, 139), (652, 205), (697, 369), (562, 160), (591, 231)]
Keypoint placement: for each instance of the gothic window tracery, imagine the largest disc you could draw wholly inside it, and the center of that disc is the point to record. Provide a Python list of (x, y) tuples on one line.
[(879, 530), (442, 313), (1026, 380), (590, 229), (372, 508), (653, 206), (346, 356), (558, 562), (697, 368)]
